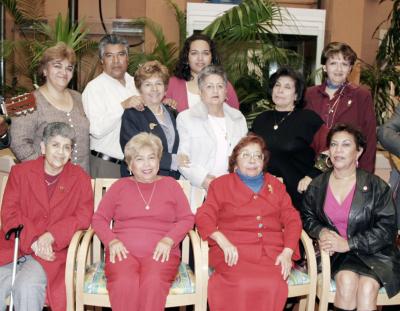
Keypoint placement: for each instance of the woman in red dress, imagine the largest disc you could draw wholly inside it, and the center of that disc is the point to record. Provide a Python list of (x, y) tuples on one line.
[(253, 233)]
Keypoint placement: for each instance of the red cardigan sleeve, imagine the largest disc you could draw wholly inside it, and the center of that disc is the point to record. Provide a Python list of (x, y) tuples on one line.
[(290, 219), (12, 214), (207, 214), (64, 229)]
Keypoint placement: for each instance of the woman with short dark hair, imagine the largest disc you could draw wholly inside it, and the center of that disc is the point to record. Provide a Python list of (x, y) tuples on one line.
[(294, 136), (351, 213), (337, 100)]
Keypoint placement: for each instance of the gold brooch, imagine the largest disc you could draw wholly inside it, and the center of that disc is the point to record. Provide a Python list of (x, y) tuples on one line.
[(152, 125)]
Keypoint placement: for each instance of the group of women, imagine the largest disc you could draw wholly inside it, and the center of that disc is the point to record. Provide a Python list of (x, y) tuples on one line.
[(262, 188)]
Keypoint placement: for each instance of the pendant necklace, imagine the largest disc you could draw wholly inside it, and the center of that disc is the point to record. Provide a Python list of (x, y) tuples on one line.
[(49, 183), (333, 108), (276, 124), (147, 203)]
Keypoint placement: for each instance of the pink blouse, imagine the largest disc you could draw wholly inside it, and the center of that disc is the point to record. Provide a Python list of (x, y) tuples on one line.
[(339, 213)]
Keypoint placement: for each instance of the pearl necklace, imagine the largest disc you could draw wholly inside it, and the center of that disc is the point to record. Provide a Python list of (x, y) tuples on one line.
[(147, 203)]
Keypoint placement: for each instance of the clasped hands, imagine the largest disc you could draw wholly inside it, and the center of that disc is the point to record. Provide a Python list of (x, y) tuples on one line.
[(43, 248), (161, 252), (332, 242)]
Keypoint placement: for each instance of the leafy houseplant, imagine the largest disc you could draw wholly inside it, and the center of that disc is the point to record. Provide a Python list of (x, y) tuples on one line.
[(384, 74), (248, 44), (23, 55)]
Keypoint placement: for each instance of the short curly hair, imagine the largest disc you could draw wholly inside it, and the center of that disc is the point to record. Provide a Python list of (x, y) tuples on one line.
[(298, 79), (358, 136), (251, 138), (59, 51), (151, 69), (334, 48), (138, 142)]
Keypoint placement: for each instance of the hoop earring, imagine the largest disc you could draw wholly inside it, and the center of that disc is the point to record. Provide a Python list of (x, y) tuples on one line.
[(328, 162)]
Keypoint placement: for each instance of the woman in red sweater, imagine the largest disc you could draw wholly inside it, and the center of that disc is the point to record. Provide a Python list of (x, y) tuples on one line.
[(253, 232), (151, 216)]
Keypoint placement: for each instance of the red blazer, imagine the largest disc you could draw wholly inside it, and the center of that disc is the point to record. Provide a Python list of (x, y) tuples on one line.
[(355, 107), (257, 224), (26, 202), (177, 91)]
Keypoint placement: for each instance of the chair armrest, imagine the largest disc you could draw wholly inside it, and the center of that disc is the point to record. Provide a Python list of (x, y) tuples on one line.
[(311, 257), (70, 268), (81, 262), (326, 271)]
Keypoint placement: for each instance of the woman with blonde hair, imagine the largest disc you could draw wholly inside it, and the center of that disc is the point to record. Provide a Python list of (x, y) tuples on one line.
[(54, 103), (151, 216)]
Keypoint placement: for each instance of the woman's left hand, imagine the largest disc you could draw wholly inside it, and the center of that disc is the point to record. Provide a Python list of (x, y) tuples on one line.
[(285, 260), (303, 184), (334, 243), (162, 250)]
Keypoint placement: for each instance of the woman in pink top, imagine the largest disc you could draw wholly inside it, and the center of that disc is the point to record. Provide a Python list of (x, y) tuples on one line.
[(151, 216), (198, 52), (351, 213)]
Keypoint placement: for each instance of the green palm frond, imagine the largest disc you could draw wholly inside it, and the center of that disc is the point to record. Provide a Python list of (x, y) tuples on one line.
[(248, 21), (73, 35), (12, 8), (163, 51), (181, 20)]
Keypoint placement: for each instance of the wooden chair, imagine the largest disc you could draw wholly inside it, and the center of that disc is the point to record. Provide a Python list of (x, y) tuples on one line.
[(91, 251), (326, 287), (301, 284)]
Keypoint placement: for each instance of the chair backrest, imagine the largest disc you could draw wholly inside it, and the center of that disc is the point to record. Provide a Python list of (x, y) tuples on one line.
[(101, 186)]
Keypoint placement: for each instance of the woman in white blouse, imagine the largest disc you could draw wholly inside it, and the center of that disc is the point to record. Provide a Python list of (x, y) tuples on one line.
[(209, 130)]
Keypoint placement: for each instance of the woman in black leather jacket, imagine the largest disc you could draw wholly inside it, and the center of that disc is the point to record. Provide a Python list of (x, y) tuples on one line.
[(351, 213)]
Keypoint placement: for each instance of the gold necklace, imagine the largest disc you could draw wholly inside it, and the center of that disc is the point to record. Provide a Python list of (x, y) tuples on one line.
[(276, 124), (147, 203), (333, 108), (49, 183)]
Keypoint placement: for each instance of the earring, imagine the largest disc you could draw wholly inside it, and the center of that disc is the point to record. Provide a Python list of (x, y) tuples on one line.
[(130, 172), (357, 163)]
